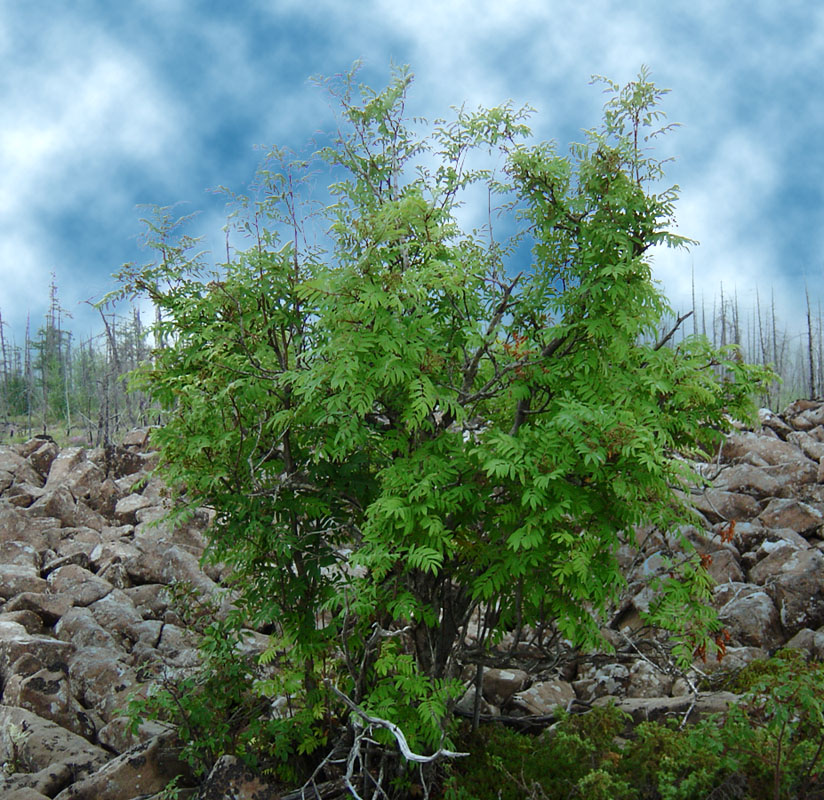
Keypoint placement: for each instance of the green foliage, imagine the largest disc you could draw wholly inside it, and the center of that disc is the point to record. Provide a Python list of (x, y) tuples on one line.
[(767, 747), (397, 431), (216, 710), (574, 759)]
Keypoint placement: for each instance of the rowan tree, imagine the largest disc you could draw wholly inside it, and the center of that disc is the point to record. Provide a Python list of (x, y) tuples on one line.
[(412, 433)]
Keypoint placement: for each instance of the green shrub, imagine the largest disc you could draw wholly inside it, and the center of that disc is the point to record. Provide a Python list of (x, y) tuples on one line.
[(767, 747)]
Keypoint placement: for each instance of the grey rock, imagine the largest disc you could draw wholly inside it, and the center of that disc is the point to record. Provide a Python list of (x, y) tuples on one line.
[(500, 684), (40, 744), (230, 777), (749, 615), (792, 513), (143, 770), (643, 709), (83, 586), (544, 697), (62, 467)]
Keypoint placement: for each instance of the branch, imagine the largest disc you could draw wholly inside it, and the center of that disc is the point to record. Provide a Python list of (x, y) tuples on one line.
[(472, 368), (403, 745), (675, 327)]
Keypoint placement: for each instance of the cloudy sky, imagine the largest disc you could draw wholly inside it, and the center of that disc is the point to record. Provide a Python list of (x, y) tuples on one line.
[(109, 105)]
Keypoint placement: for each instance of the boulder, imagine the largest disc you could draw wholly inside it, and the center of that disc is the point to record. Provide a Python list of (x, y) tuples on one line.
[(500, 684), (125, 511), (40, 744), (230, 777), (47, 693), (792, 513), (747, 479), (82, 586), (797, 589), (654, 709), (41, 459), (544, 697), (142, 771), (718, 505), (749, 615), (64, 465), (769, 449)]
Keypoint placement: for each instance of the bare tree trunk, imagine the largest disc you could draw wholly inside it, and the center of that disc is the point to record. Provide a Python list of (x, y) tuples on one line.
[(29, 377), (810, 348)]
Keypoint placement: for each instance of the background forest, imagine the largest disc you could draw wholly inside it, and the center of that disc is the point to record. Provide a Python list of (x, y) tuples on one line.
[(71, 387), (75, 388)]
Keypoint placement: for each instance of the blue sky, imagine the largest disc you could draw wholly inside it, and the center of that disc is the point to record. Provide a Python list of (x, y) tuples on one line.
[(108, 105)]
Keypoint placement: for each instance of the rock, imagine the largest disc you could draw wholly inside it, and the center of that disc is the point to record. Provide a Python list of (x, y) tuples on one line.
[(100, 681), (467, 704), (723, 567), (749, 615), (48, 607), (125, 512), (809, 445), (600, 681), (809, 640), (82, 586), (747, 479), (718, 505), (500, 684), (25, 617), (62, 467), (797, 589), (79, 626), (777, 555), (15, 579), (39, 744), (178, 646), (116, 613), (733, 660), (59, 504), (84, 481), (15, 526), (770, 420), (792, 513), (544, 697), (16, 641), (144, 770), (42, 458), (79, 558), (804, 419), (770, 450), (138, 439), (645, 680), (751, 535), (117, 736), (23, 495), (232, 778), (45, 783), (793, 475), (24, 794), (652, 709), (10, 461), (47, 693), (123, 462)]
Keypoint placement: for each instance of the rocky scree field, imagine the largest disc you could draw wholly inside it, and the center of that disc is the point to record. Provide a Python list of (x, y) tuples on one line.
[(88, 570)]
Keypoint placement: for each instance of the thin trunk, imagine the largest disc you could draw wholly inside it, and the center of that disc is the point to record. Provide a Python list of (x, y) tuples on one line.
[(810, 348)]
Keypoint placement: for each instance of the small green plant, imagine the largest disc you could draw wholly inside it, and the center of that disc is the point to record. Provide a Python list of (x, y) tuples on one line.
[(217, 710), (17, 734), (767, 747), (172, 790)]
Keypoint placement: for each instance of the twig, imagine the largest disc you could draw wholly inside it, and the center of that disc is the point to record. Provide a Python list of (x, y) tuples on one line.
[(403, 745), (661, 342)]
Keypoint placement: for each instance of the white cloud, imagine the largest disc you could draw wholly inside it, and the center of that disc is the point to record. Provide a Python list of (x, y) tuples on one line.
[(73, 119)]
